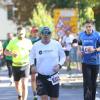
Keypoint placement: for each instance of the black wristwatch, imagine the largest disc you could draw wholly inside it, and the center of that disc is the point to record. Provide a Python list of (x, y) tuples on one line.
[(95, 50)]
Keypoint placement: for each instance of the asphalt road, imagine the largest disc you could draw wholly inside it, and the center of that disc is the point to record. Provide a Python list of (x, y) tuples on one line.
[(9, 93)]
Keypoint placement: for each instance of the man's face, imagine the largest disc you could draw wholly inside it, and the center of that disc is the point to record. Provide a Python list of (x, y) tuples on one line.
[(10, 36), (45, 37), (67, 32), (89, 28), (35, 34), (21, 34)]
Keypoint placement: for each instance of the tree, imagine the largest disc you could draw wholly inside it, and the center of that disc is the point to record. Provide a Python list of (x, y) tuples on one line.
[(25, 8), (86, 10), (41, 17)]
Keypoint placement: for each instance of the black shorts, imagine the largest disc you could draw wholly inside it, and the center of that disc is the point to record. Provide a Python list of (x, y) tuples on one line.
[(67, 53), (45, 87), (20, 72), (9, 63)]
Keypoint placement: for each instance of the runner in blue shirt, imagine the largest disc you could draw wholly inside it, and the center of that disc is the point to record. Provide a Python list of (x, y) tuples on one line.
[(90, 47)]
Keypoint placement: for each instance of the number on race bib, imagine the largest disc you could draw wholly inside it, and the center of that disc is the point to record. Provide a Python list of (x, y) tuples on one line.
[(54, 79)]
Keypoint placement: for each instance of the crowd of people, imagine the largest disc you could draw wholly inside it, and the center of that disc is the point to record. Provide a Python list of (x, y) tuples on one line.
[(42, 57)]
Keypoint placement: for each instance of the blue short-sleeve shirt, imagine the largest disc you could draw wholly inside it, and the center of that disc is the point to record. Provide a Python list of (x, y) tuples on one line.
[(90, 40)]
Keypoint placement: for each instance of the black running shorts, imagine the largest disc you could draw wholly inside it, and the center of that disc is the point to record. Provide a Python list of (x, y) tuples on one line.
[(20, 72), (45, 87)]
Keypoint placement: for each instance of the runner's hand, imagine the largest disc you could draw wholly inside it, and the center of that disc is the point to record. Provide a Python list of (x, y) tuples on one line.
[(14, 54), (90, 49), (56, 68)]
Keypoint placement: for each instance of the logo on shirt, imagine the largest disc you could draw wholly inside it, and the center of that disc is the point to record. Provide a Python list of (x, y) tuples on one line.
[(45, 51), (40, 52)]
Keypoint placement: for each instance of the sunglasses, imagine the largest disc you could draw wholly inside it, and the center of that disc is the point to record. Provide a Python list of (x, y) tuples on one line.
[(45, 32)]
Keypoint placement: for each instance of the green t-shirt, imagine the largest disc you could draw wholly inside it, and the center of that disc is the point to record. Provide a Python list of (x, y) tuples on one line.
[(4, 46), (22, 49), (34, 39)]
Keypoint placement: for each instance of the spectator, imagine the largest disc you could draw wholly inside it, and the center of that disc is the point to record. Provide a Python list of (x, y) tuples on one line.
[(74, 55)]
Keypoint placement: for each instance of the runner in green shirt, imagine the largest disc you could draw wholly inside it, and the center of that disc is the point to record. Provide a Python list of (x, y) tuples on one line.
[(19, 49)]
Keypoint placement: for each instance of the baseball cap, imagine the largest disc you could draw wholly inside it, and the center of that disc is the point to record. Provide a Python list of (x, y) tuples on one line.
[(45, 31), (34, 29)]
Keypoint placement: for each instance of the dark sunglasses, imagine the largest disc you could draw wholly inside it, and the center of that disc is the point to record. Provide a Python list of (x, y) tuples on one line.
[(46, 32)]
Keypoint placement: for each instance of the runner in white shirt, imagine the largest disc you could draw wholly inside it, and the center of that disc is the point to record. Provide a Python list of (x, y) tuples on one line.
[(67, 45), (50, 57)]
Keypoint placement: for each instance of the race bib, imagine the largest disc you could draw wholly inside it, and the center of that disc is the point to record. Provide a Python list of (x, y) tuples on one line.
[(54, 79), (86, 48)]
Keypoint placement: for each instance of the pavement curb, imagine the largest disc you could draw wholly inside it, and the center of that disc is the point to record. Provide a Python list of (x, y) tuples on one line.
[(75, 85)]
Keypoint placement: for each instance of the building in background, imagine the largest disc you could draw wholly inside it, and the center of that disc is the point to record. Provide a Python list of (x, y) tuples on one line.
[(7, 23)]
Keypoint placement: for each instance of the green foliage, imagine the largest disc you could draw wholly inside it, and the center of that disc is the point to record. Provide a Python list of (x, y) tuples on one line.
[(25, 8), (86, 10), (41, 17), (85, 14), (97, 17)]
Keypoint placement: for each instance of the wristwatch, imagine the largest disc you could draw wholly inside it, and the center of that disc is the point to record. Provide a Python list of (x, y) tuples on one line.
[(95, 50)]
